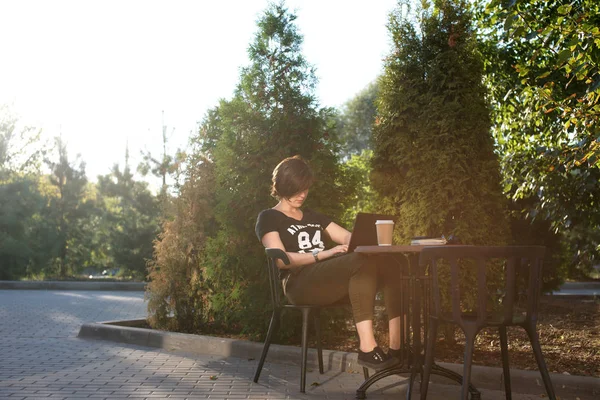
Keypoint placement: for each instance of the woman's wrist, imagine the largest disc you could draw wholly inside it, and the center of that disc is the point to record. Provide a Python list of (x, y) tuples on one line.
[(318, 255)]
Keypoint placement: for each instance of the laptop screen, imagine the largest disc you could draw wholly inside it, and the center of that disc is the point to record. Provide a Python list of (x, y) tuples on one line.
[(364, 232)]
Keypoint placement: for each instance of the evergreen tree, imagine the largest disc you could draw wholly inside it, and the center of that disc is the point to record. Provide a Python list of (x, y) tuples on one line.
[(70, 209), (434, 164), (164, 167), (178, 293), (272, 115), (132, 215)]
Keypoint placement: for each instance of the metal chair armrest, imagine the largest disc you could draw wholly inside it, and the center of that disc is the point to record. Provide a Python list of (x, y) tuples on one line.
[(277, 254)]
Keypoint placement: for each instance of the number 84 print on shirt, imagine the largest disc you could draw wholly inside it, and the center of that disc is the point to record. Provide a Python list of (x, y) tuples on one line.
[(309, 236)]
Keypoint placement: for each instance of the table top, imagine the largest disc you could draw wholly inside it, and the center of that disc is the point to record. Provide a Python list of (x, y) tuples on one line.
[(403, 248)]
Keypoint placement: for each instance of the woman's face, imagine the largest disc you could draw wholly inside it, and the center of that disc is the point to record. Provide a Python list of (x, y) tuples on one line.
[(298, 199)]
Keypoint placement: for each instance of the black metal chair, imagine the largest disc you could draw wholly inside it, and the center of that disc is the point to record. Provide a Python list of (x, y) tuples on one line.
[(307, 311), (517, 308)]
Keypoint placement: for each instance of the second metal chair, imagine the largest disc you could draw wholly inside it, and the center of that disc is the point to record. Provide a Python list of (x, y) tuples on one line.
[(516, 261)]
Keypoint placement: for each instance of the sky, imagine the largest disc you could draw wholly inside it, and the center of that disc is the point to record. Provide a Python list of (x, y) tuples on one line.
[(106, 74)]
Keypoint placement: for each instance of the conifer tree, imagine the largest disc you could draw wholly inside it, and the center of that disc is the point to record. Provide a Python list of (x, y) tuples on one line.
[(272, 115), (70, 209), (131, 219), (178, 293), (434, 164)]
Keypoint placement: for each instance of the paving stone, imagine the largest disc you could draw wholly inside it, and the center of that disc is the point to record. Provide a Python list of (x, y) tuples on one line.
[(41, 357)]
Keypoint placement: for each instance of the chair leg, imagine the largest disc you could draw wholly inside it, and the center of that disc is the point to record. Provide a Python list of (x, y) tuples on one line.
[(468, 360), (431, 337), (366, 373), (305, 319), (505, 365), (539, 358), (273, 325), (317, 318)]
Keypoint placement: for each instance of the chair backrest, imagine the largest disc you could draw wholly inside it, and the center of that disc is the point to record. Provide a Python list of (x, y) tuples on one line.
[(516, 260), (273, 255)]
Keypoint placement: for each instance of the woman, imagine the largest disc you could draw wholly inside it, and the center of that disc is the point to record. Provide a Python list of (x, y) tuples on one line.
[(314, 276)]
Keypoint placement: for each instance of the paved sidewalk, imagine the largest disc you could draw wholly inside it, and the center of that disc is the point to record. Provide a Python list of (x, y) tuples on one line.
[(41, 357)]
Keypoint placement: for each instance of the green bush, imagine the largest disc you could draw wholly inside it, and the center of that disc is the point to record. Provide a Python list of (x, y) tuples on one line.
[(434, 164), (178, 293)]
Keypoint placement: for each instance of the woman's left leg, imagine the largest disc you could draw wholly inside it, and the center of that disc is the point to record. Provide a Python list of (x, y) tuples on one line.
[(389, 279)]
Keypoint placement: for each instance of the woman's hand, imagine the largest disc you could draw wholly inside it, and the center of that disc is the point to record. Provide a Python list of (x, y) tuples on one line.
[(342, 248)]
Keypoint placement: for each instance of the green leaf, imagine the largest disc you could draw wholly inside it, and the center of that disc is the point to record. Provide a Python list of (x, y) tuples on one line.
[(564, 9), (519, 32), (544, 75), (563, 56), (509, 22), (595, 85)]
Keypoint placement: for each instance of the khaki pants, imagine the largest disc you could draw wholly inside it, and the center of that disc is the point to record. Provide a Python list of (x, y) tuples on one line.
[(355, 276)]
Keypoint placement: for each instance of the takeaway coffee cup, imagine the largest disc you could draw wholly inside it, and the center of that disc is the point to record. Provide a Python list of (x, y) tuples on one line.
[(385, 230)]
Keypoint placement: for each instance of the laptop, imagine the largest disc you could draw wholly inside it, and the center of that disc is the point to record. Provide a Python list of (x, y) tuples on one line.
[(364, 232)]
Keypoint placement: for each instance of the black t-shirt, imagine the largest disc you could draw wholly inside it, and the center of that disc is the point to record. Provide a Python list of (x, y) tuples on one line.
[(297, 236)]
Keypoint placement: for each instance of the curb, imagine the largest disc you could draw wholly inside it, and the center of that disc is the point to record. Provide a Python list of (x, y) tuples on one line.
[(71, 285), (580, 285), (585, 289), (337, 361)]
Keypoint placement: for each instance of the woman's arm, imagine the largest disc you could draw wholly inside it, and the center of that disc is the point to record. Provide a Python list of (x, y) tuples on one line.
[(338, 234), (272, 240)]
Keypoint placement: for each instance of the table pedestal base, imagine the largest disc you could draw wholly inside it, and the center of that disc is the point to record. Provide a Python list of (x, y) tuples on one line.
[(361, 392)]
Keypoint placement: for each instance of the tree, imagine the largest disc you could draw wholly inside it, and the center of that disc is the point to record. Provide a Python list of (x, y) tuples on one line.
[(356, 121), (178, 286), (20, 200), (19, 149), (70, 208), (132, 215), (20, 203), (434, 164), (357, 170), (543, 61), (355, 126), (272, 115), (167, 165)]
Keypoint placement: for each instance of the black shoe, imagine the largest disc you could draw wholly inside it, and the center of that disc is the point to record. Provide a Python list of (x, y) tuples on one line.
[(395, 353), (407, 357), (376, 359)]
